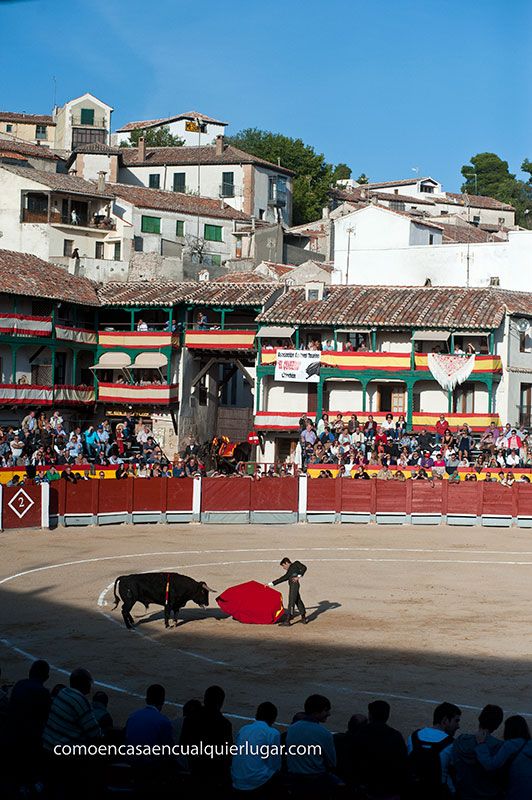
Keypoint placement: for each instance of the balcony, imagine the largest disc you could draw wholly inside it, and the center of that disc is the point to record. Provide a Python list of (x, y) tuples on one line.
[(229, 190), (36, 395), (278, 198), (69, 334), (97, 222), (95, 122), (289, 420), (384, 362), (220, 339), (25, 325), (154, 394), (138, 340)]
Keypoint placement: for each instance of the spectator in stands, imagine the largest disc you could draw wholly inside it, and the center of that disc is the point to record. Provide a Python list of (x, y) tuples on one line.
[(29, 706), (441, 426), (148, 725), (344, 745), (313, 772), (210, 727), (424, 440), (68, 475), (256, 775), (375, 745), (472, 781), (515, 755), (100, 703), (432, 776)]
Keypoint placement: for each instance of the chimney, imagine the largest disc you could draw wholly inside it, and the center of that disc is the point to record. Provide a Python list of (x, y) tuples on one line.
[(101, 181), (219, 145), (141, 150)]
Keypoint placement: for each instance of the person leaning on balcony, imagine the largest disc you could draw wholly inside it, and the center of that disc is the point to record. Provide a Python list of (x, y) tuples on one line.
[(202, 321), (142, 326)]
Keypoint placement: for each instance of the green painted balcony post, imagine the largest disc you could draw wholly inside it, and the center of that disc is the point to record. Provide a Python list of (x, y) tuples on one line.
[(452, 342), (319, 398), (75, 366), (374, 340), (409, 404), (412, 353), (335, 340), (53, 348), (297, 338), (258, 392), (364, 394), (13, 349), (491, 396), (52, 334), (492, 343), (132, 319)]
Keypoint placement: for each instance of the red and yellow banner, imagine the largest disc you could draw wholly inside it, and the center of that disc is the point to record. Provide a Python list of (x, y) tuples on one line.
[(138, 340), (220, 340), (157, 394), (491, 364)]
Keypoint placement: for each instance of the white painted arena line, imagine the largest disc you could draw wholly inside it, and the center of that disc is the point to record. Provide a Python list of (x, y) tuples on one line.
[(405, 698)]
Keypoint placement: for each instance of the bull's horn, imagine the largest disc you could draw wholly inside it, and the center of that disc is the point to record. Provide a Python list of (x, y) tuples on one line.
[(208, 587)]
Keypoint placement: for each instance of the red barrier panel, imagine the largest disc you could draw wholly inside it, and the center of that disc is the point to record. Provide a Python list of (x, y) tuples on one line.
[(464, 498), (21, 506), (498, 499), (357, 495), (324, 494), (115, 497), (179, 494), (81, 497), (392, 496), (427, 498), (226, 494), (149, 494), (523, 493), (57, 498), (274, 494)]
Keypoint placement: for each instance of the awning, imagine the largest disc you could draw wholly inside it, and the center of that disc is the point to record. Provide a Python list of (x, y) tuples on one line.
[(471, 333), (112, 361), (431, 336), (150, 361), (275, 333), (353, 330)]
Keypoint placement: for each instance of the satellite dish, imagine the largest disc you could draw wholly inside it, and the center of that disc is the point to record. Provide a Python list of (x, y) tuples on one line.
[(522, 325)]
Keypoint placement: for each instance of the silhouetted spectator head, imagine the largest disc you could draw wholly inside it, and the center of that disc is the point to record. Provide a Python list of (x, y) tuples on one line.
[(490, 718), (214, 698), (101, 697), (356, 721), (266, 712), (318, 706), (155, 695), (81, 679), (57, 688), (447, 717), (516, 727), (298, 716), (40, 671), (191, 708), (379, 711)]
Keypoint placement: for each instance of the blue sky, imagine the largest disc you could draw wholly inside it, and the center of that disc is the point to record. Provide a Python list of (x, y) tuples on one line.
[(384, 86)]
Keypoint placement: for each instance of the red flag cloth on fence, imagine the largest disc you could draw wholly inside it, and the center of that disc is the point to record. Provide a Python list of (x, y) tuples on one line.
[(252, 603)]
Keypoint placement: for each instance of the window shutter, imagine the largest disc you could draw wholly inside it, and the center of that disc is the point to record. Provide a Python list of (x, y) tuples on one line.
[(87, 116), (151, 224), (213, 233)]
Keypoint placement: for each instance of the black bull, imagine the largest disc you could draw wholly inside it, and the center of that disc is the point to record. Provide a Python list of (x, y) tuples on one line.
[(168, 589)]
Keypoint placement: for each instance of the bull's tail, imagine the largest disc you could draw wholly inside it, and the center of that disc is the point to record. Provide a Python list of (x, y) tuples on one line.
[(117, 599)]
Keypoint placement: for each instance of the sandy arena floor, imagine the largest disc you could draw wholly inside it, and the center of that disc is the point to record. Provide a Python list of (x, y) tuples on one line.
[(415, 615)]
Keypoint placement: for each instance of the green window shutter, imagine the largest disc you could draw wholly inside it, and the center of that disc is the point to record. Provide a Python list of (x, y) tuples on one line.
[(213, 233), (150, 225), (180, 228), (179, 182), (215, 259), (87, 116), (154, 181)]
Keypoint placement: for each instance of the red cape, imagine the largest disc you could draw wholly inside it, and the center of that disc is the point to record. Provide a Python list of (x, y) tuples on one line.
[(253, 603)]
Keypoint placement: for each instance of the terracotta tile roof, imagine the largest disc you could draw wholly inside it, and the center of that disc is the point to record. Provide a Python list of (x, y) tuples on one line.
[(98, 147), (28, 149), (58, 181), (154, 123), (241, 277), (28, 119), (400, 307), (163, 293), (405, 182), (355, 195), (206, 154), (25, 274), (463, 233), (279, 269), (181, 203), (474, 200)]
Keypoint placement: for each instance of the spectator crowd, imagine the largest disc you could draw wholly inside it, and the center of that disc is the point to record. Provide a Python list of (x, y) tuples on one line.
[(370, 760)]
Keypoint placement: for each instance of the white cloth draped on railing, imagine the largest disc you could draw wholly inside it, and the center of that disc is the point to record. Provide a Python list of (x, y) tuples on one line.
[(450, 370)]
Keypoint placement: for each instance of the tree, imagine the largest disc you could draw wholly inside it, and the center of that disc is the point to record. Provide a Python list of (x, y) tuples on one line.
[(313, 175), (362, 179), (154, 137), (341, 172), (489, 176)]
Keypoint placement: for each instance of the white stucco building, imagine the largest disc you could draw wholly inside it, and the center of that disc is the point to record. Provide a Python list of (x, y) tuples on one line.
[(192, 127)]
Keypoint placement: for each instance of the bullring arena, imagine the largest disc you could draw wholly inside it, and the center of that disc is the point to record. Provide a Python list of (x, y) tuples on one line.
[(413, 614)]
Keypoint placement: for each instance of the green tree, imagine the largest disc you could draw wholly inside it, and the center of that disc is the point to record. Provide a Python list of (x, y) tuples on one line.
[(363, 178), (155, 137), (313, 175), (489, 176), (341, 172)]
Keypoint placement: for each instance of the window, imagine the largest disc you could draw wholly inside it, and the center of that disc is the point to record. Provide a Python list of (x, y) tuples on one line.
[(443, 212), (431, 238), (476, 219), (228, 184), (525, 406), (154, 181), (86, 136), (150, 224), (68, 247), (9, 128), (202, 391), (525, 343), (212, 259), (397, 205), (179, 228), (87, 116), (138, 244), (60, 368), (116, 254), (41, 132), (502, 220), (426, 188), (313, 294), (99, 250), (396, 191), (179, 182), (212, 233), (261, 213)]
